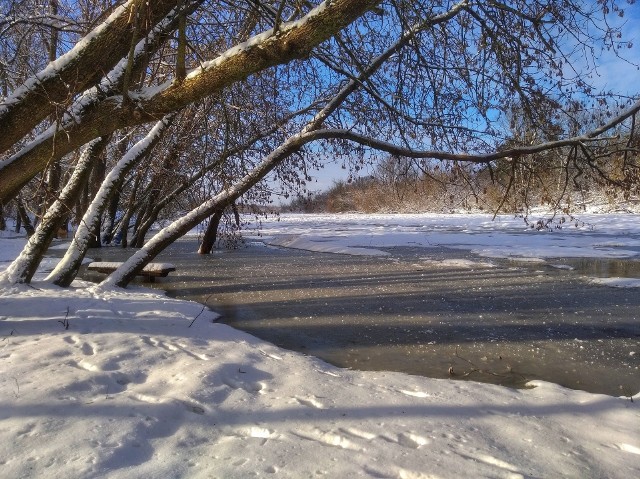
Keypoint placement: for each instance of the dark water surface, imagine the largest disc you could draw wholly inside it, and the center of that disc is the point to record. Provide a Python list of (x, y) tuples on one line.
[(504, 325)]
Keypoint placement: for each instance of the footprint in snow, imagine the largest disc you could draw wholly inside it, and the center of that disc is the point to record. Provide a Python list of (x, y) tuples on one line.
[(87, 366), (194, 408), (309, 402), (250, 387), (247, 378), (407, 439), (177, 347), (88, 349), (73, 340)]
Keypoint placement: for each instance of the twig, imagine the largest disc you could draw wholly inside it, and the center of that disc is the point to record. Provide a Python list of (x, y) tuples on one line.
[(204, 306), (476, 369), (17, 393), (626, 391), (65, 321), (10, 334)]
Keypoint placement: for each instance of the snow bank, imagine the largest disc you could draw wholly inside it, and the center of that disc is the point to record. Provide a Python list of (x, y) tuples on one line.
[(129, 383)]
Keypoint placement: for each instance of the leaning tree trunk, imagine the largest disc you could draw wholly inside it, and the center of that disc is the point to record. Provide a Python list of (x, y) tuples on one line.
[(153, 199), (63, 137), (25, 265), (211, 234), (110, 225), (295, 40), (310, 132), (79, 69), (67, 269), (134, 265), (151, 215)]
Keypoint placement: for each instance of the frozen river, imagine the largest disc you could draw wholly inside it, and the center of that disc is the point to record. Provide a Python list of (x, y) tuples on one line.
[(436, 310)]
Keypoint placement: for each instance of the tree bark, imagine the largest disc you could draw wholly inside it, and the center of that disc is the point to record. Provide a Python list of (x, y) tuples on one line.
[(96, 178), (110, 217), (65, 271), (211, 234), (24, 218), (128, 214), (129, 269), (18, 223)]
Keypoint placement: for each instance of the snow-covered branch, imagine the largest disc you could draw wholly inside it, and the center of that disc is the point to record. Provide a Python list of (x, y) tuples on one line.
[(77, 70)]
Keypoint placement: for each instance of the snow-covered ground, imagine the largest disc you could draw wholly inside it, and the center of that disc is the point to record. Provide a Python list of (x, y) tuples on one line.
[(129, 383)]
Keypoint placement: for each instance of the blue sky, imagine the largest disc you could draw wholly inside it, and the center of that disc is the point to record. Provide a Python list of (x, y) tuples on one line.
[(616, 74), (609, 73)]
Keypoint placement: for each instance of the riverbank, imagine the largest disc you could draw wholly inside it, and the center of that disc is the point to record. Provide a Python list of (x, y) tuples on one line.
[(110, 383)]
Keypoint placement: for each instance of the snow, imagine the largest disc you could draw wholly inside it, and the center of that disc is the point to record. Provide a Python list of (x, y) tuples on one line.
[(618, 282), (114, 383), (589, 236)]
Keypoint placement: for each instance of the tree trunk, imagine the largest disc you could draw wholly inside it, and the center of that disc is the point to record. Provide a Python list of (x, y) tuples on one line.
[(22, 269), (67, 269), (131, 207), (24, 218), (210, 235), (18, 223), (134, 265), (95, 181), (77, 70), (110, 217), (58, 139), (294, 41), (154, 203), (130, 268)]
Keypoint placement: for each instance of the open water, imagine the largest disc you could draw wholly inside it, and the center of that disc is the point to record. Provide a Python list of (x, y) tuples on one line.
[(407, 312)]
